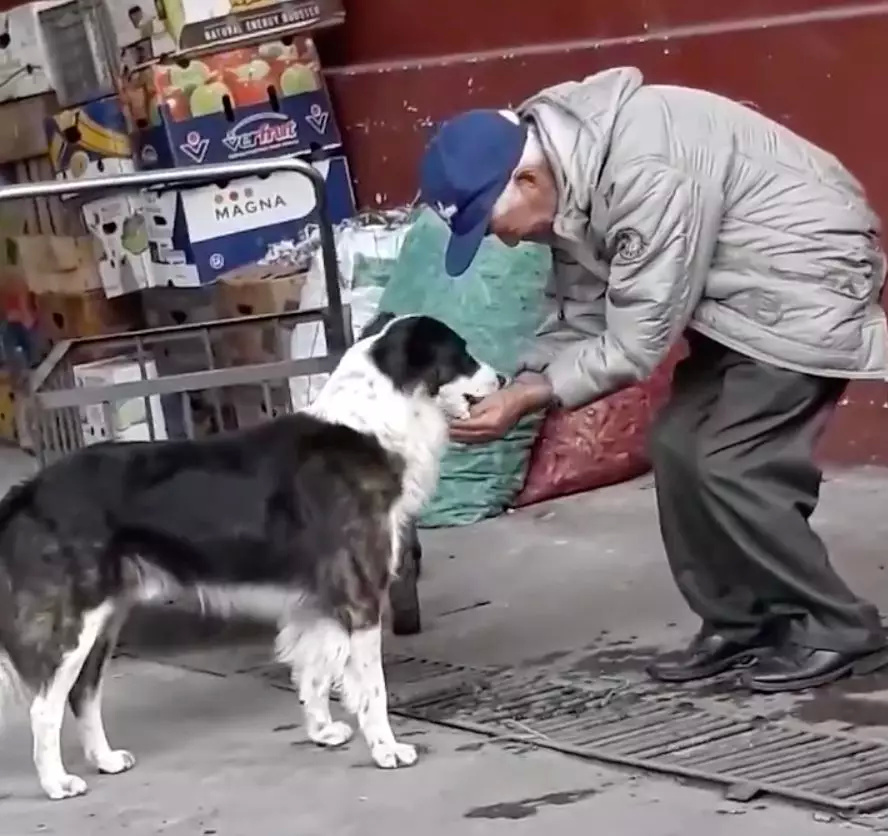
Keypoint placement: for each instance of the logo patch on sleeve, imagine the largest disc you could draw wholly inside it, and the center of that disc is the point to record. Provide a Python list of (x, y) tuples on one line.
[(629, 246)]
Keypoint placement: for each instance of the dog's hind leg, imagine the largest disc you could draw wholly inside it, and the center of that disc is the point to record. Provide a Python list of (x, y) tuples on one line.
[(86, 703), (48, 708), (11, 685), (363, 689), (317, 651)]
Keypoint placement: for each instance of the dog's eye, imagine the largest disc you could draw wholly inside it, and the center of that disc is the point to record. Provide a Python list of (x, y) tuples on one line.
[(471, 400)]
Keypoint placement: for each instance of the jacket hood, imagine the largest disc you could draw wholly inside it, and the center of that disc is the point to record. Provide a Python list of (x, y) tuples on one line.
[(575, 122)]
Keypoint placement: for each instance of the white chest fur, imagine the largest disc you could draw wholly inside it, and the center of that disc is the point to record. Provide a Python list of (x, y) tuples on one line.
[(412, 427)]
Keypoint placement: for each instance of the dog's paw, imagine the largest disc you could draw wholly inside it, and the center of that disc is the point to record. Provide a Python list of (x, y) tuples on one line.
[(114, 762), (331, 734), (393, 755), (66, 786)]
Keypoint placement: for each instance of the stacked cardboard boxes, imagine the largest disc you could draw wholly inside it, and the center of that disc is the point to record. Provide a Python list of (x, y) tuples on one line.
[(115, 90)]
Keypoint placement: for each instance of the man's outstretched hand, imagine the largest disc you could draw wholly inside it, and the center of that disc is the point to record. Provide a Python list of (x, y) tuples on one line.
[(493, 417)]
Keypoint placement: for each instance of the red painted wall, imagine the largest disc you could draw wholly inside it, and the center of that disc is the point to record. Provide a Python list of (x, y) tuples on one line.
[(817, 65)]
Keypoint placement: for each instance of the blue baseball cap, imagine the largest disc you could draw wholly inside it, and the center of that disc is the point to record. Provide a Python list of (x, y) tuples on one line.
[(464, 170)]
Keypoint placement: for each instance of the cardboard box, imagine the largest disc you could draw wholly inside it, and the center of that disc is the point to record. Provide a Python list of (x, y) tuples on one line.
[(246, 406), (16, 299), (66, 316), (167, 306), (79, 50), (24, 60), (122, 241), (23, 127), (257, 290), (8, 410), (194, 23), (250, 103), (218, 228), (52, 263), (91, 140), (119, 421)]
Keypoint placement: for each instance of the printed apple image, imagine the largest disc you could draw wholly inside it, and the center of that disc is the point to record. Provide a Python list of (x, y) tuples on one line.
[(222, 62), (274, 50), (187, 78), (134, 235), (297, 79), (78, 164), (249, 83), (209, 98), (255, 70), (178, 104)]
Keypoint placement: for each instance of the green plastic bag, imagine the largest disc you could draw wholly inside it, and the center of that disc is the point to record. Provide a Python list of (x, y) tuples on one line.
[(496, 306)]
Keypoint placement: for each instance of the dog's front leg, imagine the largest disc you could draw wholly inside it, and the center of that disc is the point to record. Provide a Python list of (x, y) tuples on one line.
[(363, 690)]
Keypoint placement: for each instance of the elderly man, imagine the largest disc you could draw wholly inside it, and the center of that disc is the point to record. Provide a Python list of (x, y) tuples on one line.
[(669, 212)]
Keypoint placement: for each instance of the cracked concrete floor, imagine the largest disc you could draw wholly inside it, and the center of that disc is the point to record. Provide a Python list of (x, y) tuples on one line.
[(580, 579)]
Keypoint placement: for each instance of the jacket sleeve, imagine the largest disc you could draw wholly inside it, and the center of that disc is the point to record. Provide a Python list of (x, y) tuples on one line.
[(567, 318), (661, 234)]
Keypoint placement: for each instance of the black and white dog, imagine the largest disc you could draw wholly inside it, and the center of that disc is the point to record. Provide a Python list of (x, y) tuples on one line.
[(298, 521)]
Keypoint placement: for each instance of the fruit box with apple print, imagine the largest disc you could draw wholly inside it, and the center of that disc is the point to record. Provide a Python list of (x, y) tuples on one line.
[(122, 236), (258, 101), (90, 141), (224, 226)]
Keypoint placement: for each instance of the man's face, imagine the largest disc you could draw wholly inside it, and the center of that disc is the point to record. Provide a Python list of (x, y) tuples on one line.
[(526, 210)]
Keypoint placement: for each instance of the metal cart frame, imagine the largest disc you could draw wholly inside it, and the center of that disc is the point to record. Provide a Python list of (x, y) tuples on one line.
[(53, 402)]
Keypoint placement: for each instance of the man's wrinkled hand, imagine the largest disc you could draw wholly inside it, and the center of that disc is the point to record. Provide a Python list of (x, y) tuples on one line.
[(494, 416)]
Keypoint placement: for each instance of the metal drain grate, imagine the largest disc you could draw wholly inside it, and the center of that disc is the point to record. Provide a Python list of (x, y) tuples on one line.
[(670, 735), (409, 678)]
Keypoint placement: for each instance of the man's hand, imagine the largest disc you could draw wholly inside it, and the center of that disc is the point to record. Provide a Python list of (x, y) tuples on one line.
[(493, 417)]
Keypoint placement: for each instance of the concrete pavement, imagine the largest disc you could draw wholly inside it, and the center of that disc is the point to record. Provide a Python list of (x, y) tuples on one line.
[(227, 757), (579, 582)]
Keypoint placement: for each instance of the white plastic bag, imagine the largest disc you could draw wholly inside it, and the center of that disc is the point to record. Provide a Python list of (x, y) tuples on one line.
[(374, 241)]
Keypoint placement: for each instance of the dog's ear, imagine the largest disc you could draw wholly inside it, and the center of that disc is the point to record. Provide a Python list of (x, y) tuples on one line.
[(420, 350), (406, 354), (375, 325)]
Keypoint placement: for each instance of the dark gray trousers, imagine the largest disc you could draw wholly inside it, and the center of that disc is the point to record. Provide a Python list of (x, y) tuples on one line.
[(736, 484)]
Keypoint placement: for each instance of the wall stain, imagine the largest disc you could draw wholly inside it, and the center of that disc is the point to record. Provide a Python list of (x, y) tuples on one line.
[(529, 806)]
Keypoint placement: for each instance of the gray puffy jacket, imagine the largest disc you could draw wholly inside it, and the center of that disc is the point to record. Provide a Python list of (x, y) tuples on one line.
[(679, 208)]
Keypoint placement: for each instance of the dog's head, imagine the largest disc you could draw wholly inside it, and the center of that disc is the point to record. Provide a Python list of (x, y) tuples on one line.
[(423, 356)]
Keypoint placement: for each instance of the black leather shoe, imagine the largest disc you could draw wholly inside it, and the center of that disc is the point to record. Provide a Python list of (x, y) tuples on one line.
[(708, 655), (795, 668)]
